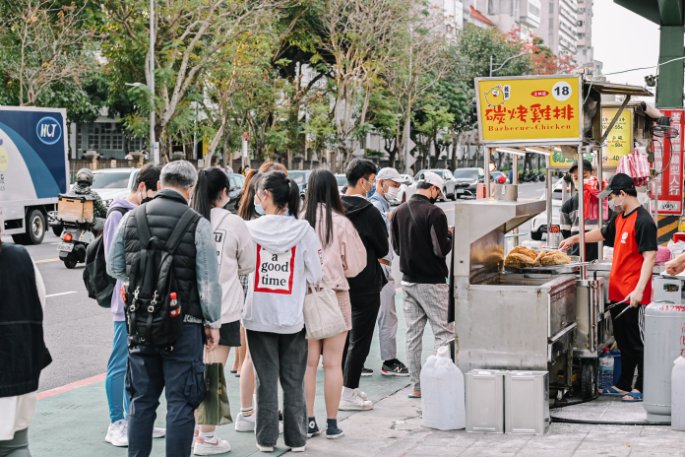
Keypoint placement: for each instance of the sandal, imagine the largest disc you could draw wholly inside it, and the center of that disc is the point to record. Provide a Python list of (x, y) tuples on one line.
[(614, 392), (632, 397)]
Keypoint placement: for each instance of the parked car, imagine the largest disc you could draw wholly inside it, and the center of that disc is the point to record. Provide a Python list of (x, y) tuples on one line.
[(342, 182), (235, 192), (467, 180), (446, 175), (300, 177), (539, 223), (113, 183)]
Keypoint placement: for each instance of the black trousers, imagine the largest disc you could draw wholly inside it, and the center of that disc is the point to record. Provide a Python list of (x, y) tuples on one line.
[(628, 331), (364, 315)]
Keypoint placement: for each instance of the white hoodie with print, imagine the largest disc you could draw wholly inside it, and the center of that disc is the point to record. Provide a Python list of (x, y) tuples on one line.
[(288, 257)]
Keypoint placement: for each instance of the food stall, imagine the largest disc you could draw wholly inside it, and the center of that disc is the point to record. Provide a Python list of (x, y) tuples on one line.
[(532, 316)]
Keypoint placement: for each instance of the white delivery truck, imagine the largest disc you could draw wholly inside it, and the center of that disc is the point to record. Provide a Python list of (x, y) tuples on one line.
[(33, 169)]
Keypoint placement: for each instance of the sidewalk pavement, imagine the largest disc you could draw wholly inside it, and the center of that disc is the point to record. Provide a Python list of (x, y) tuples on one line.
[(73, 424)]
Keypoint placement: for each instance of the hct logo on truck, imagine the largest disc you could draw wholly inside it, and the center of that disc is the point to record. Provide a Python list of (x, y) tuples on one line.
[(49, 130)]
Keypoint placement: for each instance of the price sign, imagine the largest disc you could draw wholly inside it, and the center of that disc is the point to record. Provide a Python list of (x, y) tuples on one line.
[(620, 138)]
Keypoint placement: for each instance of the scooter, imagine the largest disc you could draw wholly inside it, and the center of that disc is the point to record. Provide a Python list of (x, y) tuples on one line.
[(75, 213)]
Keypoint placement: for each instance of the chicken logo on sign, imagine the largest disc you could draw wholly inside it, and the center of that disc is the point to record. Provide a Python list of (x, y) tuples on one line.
[(495, 96)]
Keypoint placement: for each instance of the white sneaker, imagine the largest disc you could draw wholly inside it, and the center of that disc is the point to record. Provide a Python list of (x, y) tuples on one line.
[(297, 449), (213, 447), (358, 401), (117, 434), (158, 432), (264, 448), (245, 423)]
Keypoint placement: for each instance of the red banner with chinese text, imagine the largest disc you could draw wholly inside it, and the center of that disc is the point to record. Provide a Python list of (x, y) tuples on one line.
[(668, 166)]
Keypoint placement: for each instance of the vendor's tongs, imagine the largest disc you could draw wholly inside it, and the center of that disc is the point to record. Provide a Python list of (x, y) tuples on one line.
[(564, 265), (625, 300)]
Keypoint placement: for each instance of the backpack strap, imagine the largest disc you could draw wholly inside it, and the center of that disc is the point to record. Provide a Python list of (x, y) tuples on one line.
[(141, 225), (119, 209), (188, 218)]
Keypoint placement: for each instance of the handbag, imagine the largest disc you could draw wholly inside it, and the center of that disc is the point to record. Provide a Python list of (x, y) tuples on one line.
[(214, 409), (322, 315)]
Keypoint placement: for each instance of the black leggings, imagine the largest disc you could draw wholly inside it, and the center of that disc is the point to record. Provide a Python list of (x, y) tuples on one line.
[(628, 331), (17, 447), (364, 315)]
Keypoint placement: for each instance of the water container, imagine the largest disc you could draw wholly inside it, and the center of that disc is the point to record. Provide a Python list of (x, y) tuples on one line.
[(606, 370), (442, 393), (678, 394), (664, 342)]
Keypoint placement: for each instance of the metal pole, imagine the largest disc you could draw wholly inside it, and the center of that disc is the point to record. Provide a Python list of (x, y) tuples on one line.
[(490, 73), (600, 223), (154, 147), (548, 195), (581, 213), (486, 170)]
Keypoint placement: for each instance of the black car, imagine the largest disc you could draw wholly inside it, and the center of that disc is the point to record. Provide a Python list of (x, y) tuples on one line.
[(235, 192)]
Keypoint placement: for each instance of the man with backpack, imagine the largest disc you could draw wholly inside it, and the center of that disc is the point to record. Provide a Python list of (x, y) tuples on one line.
[(165, 253), (144, 189)]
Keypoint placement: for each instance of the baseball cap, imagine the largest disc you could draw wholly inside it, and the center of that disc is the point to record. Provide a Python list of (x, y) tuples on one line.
[(389, 173), (433, 179), (587, 166), (620, 181)]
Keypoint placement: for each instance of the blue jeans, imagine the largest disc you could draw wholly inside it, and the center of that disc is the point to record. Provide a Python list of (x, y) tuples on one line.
[(181, 374), (117, 397)]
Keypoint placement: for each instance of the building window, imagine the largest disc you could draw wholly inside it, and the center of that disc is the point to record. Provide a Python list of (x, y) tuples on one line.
[(533, 10)]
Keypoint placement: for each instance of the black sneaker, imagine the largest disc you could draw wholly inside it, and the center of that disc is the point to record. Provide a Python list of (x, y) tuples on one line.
[(367, 372), (312, 428), (394, 368), (334, 433)]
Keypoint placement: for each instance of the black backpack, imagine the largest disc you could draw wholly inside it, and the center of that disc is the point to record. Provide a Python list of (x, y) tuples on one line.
[(153, 309), (99, 284)]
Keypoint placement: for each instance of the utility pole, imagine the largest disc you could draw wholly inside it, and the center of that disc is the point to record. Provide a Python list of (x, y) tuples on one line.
[(154, 146)]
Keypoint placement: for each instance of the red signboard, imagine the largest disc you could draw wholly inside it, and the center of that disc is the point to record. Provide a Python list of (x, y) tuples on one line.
[(668, 164)]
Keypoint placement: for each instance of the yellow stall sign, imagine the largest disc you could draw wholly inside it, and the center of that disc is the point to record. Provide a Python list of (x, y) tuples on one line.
[(529, 109), (620, 138)]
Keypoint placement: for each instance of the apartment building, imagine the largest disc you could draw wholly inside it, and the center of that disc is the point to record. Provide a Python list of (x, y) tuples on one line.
[(559, 25)]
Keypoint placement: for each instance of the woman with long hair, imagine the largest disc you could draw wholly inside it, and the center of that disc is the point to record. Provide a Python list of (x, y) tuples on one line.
[(344, 256), (245, 421), (236, 255), (288, 258)]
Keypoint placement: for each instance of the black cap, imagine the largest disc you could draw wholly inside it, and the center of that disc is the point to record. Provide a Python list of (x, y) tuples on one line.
[(620, 181), (587, 166)]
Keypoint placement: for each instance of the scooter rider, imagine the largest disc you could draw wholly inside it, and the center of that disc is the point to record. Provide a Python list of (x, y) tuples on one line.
[(84, 181)]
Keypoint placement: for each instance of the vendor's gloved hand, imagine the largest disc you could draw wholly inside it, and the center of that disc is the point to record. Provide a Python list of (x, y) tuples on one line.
[(675, 266)]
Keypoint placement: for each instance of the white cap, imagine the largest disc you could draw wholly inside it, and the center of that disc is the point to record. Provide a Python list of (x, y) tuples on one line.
[(389, 174), (434, 179)]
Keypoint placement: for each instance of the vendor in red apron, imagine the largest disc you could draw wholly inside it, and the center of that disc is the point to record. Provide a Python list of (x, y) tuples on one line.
[(633, 235)]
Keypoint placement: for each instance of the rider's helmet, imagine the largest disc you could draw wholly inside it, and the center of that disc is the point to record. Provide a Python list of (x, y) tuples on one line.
[(84, 177)]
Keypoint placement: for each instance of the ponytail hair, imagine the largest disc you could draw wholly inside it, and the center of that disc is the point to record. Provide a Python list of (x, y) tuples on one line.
[(284, 191), (210, 183)]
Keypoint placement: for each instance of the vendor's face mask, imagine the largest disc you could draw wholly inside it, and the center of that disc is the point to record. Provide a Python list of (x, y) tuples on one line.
[(615, 204)]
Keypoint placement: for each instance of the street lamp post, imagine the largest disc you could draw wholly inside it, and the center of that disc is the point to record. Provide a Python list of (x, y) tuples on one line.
[(154, 146)]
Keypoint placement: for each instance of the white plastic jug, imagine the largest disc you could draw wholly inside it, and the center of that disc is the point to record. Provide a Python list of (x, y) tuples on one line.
[(442, 393), (678, 394)]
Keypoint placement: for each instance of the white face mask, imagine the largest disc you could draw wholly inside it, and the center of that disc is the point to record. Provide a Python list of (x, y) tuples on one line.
[(392, 193)]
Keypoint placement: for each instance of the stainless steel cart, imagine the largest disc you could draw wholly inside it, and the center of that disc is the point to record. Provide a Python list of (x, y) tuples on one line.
[(509, 320)]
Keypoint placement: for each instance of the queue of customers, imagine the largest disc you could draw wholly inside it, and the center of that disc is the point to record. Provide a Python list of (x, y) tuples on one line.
[(192, 280)]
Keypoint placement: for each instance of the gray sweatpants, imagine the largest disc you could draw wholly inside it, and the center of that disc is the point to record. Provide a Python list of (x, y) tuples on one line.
[(387, 318), (283, 358), (425, 302)]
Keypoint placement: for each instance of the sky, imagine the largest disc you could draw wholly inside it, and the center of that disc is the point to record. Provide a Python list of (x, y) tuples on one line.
[(623, 40)]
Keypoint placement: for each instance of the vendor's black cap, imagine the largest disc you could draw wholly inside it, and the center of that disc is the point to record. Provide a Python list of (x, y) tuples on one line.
[(587, 166), (620, 181)]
